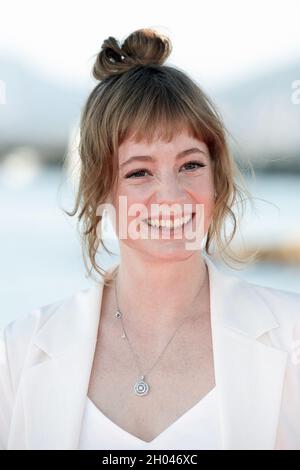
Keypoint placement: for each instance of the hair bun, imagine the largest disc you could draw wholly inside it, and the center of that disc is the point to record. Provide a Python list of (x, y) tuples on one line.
[(142, 47)]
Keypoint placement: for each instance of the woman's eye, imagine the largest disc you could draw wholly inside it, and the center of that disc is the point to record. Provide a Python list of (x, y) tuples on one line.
[(133, 175), (199, 165), (139, 173)]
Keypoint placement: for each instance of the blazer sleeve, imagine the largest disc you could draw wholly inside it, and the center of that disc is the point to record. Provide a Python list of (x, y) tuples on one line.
[(15, 339), (6, 391)]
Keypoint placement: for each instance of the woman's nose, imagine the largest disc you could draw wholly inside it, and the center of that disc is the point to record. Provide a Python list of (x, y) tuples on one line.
[(170, 190)]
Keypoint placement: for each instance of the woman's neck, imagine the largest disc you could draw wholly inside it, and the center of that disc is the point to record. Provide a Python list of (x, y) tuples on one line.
[(158, 294)]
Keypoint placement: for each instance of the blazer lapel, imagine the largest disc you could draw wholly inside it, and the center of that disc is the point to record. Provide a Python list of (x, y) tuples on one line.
[(249, 371), (55, 385)]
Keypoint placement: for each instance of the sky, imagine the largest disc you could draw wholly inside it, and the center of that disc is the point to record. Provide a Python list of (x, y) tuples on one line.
[(217, 42)]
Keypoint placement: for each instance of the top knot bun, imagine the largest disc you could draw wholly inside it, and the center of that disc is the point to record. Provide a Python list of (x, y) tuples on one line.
[(142, 47)]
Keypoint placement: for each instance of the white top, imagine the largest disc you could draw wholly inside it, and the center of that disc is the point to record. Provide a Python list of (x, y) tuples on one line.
[(197, 428)]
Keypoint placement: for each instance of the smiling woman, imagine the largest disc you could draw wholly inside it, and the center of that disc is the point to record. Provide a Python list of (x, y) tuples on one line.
[(164, 103), (165, 351)]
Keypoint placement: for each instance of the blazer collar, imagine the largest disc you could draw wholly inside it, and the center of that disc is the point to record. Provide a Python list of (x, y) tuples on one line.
[(234, 302), (73, 323), (248, 370)]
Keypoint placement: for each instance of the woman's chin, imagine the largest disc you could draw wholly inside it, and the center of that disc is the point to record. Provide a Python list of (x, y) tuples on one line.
[(170, 251)]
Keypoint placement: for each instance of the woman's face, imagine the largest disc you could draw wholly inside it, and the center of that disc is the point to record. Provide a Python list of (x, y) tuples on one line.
[(175, 178)]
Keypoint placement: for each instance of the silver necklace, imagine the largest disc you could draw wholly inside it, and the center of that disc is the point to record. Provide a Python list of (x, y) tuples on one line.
[(141, 387)]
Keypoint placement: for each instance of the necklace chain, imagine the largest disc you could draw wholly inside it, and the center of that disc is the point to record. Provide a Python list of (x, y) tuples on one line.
[(141, 387)]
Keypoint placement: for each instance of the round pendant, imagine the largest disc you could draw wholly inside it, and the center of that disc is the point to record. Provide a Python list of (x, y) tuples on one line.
[(141, 387)]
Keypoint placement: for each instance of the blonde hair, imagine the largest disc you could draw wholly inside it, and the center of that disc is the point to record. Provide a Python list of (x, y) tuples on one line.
[(138, 94)]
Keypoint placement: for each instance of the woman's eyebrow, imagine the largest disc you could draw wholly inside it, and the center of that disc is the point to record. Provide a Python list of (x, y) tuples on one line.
[(181, 154)]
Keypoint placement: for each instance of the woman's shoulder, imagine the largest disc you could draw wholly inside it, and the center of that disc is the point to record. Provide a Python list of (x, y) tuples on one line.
[(17, 335), (278, 298), (29, 322), (284, 304)]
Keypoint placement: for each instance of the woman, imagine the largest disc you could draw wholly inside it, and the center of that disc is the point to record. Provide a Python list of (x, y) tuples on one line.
[(165, 351)]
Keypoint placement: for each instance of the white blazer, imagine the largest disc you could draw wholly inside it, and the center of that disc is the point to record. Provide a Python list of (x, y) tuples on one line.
[(46, 359)]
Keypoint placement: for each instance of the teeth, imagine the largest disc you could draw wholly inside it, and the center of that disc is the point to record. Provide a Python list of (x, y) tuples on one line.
[(169, 223)]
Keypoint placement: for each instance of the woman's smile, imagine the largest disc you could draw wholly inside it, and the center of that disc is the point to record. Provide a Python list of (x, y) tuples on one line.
[(173, 226)]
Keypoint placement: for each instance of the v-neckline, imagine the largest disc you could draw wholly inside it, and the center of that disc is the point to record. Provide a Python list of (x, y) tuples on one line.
[(132, 436)]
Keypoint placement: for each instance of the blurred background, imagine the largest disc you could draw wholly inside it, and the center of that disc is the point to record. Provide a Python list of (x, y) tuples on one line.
[(245, 55)]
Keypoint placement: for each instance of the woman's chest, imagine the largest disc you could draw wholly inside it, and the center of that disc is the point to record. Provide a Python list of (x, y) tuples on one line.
[(180, 379)]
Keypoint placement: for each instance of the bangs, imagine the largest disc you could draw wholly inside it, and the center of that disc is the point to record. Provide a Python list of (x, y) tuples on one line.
[(159, 114)]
